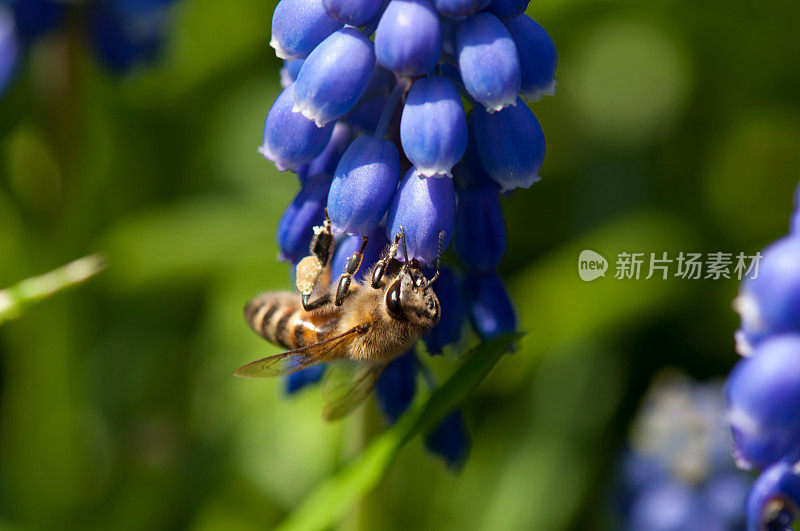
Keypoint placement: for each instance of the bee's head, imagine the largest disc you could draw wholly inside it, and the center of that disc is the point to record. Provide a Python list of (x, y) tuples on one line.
[(410, 297)]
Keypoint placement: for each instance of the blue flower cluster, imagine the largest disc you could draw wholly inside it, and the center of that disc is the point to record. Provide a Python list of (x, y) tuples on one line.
[(421, 129), (678, 475), (122, 32), (763, 389)]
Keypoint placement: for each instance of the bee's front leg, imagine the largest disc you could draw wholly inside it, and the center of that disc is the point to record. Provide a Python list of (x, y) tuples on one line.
[(350, 269), (315, 269)]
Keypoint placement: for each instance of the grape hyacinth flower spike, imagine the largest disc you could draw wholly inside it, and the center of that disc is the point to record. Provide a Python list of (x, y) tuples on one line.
[(537, 57), (298, 26)]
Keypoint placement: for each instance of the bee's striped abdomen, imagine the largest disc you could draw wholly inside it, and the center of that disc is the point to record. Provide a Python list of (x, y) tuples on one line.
[(279, 318)]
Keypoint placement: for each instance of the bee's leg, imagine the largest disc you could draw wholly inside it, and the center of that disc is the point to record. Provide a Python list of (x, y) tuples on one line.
[(314, 269), (350, 269), (383, 263), (438, 259)]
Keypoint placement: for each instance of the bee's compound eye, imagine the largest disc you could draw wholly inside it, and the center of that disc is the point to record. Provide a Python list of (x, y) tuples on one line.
[(393, 304)]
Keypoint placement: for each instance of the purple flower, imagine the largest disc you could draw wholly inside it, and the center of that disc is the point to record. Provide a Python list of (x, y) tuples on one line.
[(298, 26), (775, 498), (352, 12), (9, 47), (505, 9), (408, 40), (433, 128), (480, 231), (291, 139), (537, 57), (363, 185), (397, 386), (334, 76), (764, 402), (489, 306), (296, 226), (450, 440), (460, 8), (488, 61), (325, 163), (510, 144), (423, 207)]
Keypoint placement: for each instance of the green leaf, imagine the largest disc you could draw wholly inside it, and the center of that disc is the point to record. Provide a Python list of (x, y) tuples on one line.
[(332, 500), (15, 298)]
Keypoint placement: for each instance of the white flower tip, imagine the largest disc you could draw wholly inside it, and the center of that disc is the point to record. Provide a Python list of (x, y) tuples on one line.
[(743, 347), (432, 172), (309, 113), (270, 155), (538, 93), (280, 51), (491, 109)]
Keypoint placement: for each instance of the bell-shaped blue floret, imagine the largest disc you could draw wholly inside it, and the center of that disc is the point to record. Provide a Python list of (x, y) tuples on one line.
[(537, 57), (397, 386), (450, 440), (300, 379), (448, 330), (298, 26), (763, 394), (334, 76), (423, 207), (770, 303), (506, 9), (296, 226), (363, 185), (408, 40), (469, 173), (289, 71), (291, 139), (122, 41), (488, 305), (325, 163), (433, 128), (376, 244), (460, 8), (510, 144), (9, 47), (774, 500), (488, 61), (352, 12), (480, 231)]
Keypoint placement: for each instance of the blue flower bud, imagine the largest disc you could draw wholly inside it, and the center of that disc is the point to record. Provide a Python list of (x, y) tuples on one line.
[(488, 61), (764, 402), (423, 207), (376, 244), (775, 498), (460, 8), (121, 42), (510, 144), (489, 306), (36, 17), (433, 127), (296, 226), (537, 57), (325, 163), (363, 185), (300, 379), (291, 139), (770, 303), (408, 40), (448, 330), (450, 440), (289, 71), (9, 47), (334, 76), (506, 9), (480, 231), (352, 12), (365, 116), (396, 386), (298, 26)]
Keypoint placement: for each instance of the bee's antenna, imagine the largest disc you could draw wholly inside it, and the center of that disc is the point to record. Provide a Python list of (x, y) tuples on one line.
[(438, 260)]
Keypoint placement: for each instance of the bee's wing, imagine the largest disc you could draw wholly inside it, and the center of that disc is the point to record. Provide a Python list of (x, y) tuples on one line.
[(298, 359), (345, 390)]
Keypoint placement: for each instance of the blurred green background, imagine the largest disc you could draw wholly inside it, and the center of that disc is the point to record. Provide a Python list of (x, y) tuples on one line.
[(675, 128)]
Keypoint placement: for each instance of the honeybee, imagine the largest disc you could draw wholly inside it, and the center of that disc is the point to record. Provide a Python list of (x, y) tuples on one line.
[(369, 324)]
